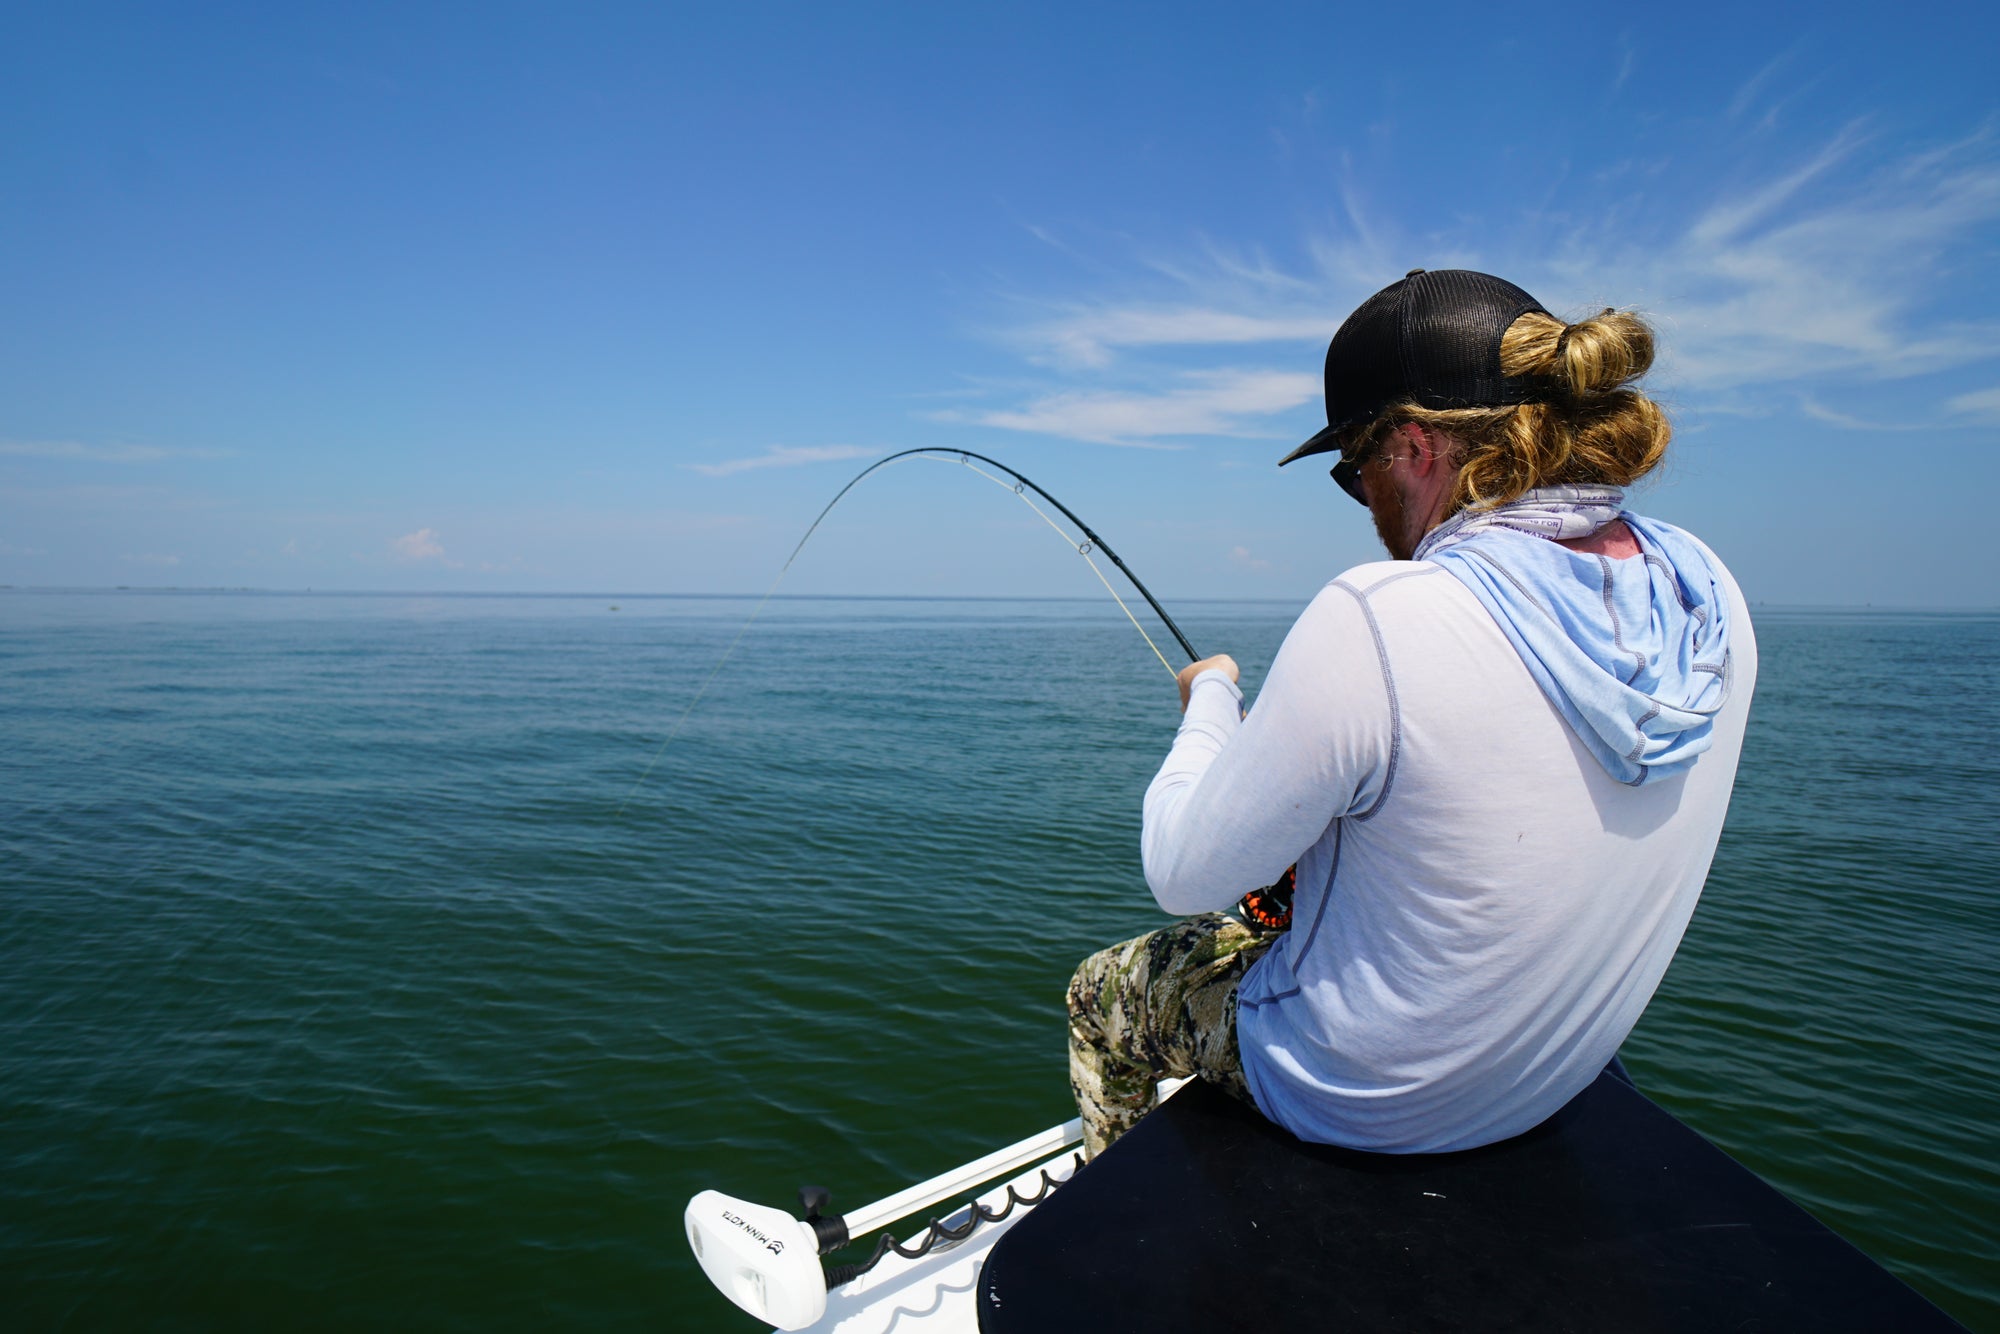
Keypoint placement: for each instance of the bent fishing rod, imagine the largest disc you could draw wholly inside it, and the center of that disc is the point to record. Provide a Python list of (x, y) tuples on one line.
[(1083, 548), (1020, 486)]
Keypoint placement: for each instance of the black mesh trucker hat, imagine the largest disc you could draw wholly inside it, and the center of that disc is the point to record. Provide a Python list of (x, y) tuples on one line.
[(1433, 338)]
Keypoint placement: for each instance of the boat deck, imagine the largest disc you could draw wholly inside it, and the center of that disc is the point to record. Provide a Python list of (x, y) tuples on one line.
[(1611, 1215)]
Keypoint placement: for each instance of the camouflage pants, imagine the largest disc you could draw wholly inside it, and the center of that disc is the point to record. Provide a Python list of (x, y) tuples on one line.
[(1162, 1004)]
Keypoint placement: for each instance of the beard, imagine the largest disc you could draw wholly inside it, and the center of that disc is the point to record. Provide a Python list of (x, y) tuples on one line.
[(1392, 519)]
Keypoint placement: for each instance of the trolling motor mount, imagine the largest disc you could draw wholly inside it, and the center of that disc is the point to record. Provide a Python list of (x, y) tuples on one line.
[(830, 1229)]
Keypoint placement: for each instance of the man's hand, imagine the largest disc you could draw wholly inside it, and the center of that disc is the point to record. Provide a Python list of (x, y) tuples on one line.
[(1220, 662)]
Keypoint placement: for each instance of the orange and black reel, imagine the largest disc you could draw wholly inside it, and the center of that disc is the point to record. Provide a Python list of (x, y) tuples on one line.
[(1270, 908)]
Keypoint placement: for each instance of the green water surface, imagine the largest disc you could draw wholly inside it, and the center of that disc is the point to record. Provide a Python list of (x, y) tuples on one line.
[(335, 992)]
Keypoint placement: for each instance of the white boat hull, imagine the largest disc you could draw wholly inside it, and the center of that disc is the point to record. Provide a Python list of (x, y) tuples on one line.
[(933, 1294)]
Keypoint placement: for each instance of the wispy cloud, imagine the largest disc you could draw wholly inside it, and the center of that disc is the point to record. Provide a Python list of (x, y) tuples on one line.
[(1214, 403), (70, 449), (418, 546), (1762, 90), (99, 497), (1982, 405), (785, 456), (1818, 274), (1241, 558), (1090, 337), (1819, 412), (1729, 219), (1766, 288), (1752, 88), (1627, 58)]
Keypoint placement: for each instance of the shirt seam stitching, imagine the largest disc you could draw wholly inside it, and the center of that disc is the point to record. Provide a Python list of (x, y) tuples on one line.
[(1388, 686), (1326, 896)]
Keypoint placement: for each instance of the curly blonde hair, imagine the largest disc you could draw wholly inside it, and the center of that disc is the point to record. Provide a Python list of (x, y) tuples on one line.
[(1588, 427)]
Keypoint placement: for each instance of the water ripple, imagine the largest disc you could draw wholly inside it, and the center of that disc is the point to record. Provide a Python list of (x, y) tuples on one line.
[(333, 991)]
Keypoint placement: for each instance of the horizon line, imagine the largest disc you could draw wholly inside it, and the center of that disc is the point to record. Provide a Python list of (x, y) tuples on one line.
[(239, 589)]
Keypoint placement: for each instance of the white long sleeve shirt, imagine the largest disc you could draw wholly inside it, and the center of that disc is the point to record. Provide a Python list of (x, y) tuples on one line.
[(1482, 912)]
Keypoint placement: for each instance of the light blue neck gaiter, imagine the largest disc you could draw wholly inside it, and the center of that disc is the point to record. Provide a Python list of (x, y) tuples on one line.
[(1634, 653)]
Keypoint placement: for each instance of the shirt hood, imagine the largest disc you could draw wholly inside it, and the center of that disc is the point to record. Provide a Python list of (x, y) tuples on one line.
[(1634, 653)]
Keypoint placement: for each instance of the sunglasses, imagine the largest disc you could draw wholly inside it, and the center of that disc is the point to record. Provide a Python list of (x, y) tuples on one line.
[(1347, 473)]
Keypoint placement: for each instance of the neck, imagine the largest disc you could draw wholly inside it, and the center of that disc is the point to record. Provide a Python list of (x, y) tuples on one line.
[(1583, 518), (1614, 540)]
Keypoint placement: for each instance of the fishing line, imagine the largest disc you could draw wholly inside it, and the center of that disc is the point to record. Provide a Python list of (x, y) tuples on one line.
[(1020, 487), (1082, 549)]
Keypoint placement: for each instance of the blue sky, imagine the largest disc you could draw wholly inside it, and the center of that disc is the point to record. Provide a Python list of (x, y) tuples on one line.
[(608, 297)]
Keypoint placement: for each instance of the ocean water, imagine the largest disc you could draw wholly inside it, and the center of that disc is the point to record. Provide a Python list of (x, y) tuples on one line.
[(346, 980)]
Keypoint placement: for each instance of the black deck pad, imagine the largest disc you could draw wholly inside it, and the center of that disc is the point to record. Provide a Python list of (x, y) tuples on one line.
[(1611, 1215)]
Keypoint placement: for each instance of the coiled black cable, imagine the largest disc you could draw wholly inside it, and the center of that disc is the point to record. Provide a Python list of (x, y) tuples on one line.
[(938, 1232)]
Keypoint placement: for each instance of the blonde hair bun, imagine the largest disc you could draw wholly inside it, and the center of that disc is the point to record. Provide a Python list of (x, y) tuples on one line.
[(1592, 356), (1590, 426)]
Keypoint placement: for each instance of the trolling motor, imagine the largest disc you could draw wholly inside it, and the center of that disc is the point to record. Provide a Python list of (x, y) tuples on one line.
[(768, 1262), (761, 1258)]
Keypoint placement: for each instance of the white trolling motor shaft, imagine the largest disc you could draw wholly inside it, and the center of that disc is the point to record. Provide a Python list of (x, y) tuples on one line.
[(961, 1179), (767, 1261)]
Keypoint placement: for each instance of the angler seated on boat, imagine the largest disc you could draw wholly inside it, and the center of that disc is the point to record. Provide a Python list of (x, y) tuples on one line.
[(1491, 771)]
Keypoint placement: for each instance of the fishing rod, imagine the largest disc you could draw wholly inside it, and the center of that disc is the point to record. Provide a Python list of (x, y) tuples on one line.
[(1083, 548), (1020, 486)]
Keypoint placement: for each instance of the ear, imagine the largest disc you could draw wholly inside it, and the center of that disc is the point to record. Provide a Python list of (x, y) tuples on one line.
[(1426, 450)]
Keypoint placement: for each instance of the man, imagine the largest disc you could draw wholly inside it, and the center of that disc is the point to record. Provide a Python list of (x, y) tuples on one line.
[(1500, 760)]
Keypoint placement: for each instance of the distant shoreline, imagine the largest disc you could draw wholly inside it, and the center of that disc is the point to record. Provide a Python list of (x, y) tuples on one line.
[(476, 595)]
